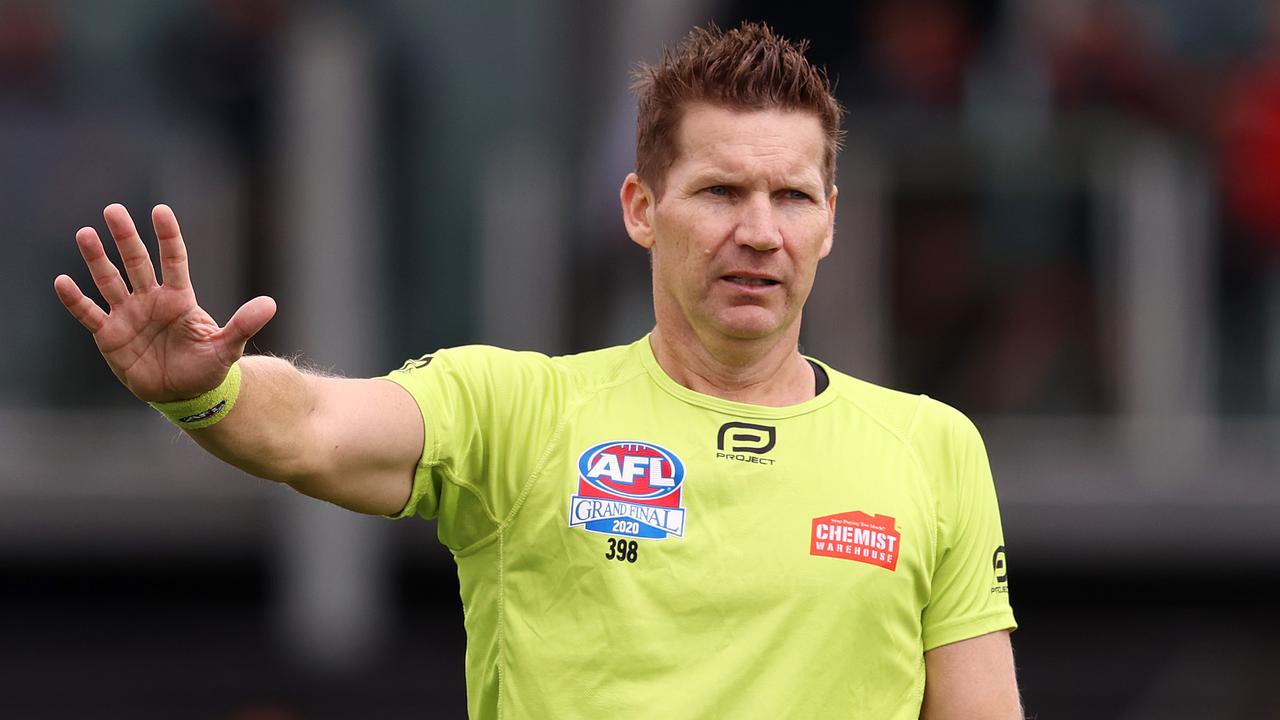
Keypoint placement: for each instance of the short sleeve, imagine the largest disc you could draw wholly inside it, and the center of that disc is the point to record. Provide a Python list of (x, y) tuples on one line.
[(969, 593), (489, 414)]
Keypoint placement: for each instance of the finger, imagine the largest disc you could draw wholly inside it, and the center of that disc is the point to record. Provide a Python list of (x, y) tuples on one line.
[(81, 308), (133, 253), (173, 252), (105, 275), (247, 321)]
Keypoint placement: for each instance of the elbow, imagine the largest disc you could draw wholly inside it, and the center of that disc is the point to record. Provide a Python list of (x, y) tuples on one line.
[(302, 473)]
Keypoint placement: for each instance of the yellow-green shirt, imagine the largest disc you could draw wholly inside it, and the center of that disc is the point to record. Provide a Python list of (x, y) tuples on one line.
[(628, 548)]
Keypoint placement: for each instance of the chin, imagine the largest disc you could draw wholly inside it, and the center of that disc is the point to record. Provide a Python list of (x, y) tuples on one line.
[(748, 323)]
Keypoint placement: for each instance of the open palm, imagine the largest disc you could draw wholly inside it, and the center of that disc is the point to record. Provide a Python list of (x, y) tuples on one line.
[(160, 343)]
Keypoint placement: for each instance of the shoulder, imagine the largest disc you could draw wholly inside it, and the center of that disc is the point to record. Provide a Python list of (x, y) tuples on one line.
[(486, 365), (601, 367), (928, 425)]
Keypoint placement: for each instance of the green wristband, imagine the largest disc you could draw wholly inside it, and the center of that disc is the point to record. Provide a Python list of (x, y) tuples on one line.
[(207, 408)]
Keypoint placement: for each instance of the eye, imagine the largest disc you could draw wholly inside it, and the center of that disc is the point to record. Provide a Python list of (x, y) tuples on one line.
[(794, 194), (718, 190)]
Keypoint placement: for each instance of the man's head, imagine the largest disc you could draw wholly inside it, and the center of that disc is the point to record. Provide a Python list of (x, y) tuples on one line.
[(739, 204), (749, 68)]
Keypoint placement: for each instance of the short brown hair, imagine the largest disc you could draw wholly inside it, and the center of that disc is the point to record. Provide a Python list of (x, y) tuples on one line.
[(749, 68)]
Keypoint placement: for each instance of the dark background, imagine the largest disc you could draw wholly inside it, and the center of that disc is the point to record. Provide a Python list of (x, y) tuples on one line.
[(1060, 216)]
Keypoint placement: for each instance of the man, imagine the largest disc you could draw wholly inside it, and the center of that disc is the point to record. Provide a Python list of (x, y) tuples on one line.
[(702, 524)]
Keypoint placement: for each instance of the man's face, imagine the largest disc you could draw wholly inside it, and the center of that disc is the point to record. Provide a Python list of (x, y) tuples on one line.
[(740, 227)]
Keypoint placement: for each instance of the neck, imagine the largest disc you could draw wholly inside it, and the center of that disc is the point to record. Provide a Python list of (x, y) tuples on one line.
[(767, 371)]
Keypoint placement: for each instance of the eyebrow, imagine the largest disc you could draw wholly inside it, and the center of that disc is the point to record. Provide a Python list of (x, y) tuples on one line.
[(735, 178)]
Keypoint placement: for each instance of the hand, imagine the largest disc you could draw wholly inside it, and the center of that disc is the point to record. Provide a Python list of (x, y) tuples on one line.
[(156, 339)]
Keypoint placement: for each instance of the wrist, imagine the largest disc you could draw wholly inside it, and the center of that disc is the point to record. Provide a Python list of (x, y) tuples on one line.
[(207, 408)]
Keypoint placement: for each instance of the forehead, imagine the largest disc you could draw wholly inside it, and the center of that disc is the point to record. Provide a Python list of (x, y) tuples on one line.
[(774, 141)]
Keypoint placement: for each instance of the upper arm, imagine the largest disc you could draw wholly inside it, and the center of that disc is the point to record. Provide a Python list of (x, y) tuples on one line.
[(966, 623), (366, 440), (971, 679), (969, 587), (488, 415)]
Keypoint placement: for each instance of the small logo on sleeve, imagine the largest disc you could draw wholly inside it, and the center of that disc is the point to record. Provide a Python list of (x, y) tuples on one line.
[(857, 536), (417, 364), (630, 489), (1000, 569)]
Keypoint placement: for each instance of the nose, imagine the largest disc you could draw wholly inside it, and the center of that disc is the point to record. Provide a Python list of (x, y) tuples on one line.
[(757, 225)]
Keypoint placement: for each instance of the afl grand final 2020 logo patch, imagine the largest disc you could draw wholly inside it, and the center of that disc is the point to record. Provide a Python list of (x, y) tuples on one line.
[(629, 488)]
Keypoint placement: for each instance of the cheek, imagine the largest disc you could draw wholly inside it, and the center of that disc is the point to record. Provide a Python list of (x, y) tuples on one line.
[(669, 266), (677, 271), (682, 241), (810, 240)]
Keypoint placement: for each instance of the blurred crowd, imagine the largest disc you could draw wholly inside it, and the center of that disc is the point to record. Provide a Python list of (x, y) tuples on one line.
[(996, 257)]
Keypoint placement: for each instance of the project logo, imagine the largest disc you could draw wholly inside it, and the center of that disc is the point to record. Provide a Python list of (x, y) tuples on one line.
[(1000, 568), (746, 442), (746, 437), (630, 489)]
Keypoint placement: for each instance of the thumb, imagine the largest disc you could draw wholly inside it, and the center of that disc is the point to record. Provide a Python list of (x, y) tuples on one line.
[(247, 321)]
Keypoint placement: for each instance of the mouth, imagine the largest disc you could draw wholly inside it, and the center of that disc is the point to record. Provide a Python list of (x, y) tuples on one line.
[(750, 281)]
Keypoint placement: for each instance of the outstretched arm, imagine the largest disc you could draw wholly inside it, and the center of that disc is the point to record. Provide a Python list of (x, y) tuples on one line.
[(351, 442)]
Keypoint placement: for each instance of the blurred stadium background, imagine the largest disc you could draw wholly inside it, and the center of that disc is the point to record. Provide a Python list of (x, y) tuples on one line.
[(1061, 216)]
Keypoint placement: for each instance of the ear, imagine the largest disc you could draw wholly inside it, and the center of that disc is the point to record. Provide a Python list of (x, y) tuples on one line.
[(831, 226), (637, 210)]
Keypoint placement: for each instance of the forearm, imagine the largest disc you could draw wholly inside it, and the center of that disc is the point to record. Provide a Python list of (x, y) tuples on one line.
[(267, 432), (351, 442)]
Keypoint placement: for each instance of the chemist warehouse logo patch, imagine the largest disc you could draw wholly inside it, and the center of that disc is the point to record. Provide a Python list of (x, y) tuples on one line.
[(856, 536), (630, 489)]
